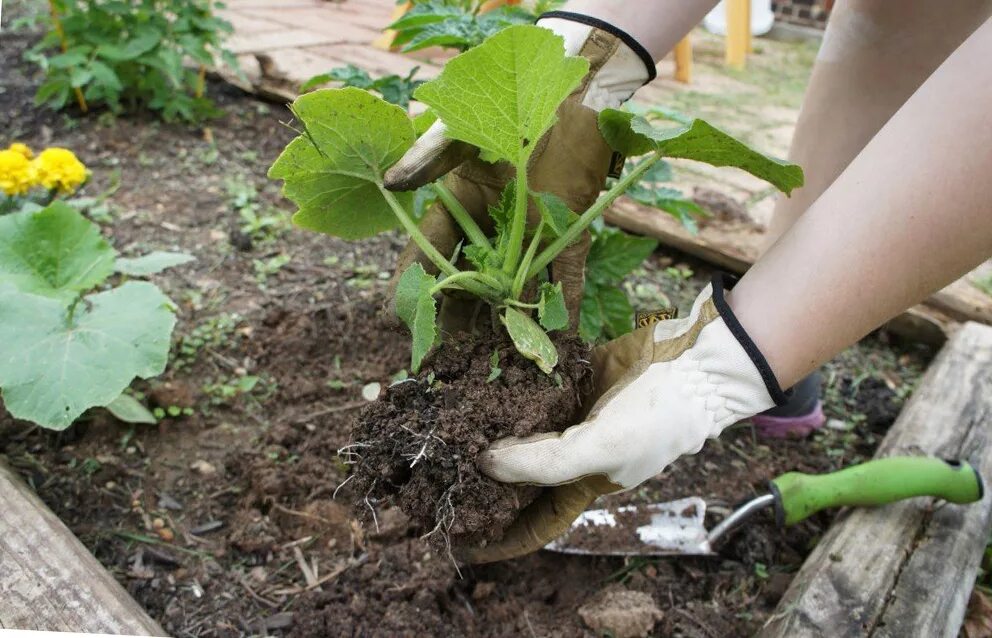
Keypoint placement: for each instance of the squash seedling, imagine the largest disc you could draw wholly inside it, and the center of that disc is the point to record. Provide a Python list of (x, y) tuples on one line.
[(502, 97)]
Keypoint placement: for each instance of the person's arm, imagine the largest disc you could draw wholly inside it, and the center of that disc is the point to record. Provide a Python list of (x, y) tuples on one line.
[(658, 25), (912, 213)]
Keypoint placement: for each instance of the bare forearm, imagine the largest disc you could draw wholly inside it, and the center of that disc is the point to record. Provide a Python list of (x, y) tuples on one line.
[(657, 25), (910, 214)]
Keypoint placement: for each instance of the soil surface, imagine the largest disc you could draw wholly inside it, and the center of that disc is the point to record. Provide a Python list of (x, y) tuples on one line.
[(417, 444), (224, 522)]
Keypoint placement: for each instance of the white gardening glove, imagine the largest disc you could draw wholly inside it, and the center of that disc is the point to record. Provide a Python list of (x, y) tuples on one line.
[(671, 386)]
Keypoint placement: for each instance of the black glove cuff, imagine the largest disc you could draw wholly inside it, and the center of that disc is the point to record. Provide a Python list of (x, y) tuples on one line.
[(625, 37), (721, 283)]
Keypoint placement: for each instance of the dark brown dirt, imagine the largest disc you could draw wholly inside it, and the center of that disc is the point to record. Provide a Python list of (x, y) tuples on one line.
[(245, 485), (416, 446)]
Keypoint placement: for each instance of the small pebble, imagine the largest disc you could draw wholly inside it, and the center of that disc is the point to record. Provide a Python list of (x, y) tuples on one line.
[(203, 468), (370, 391), (166, 534)]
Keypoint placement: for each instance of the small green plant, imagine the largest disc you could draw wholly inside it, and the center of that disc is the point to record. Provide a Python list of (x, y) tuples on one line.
[(458, 24), (394, 89), (132, 55), (613, 254), (260, 224), (67, 347), (502, 97), (265, 268), (211, 333)]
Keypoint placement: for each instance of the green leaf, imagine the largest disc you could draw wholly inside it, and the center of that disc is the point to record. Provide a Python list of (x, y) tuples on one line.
[(590, 313), (614, 254), (333, 171), (415, 305), (618, 314), (152, 263), (53, 366), (67, 60), (315, 81), (54, 252), (551, 307), (555, 213), (494, 369), (530, 340), (129, 410), (423, 121), (633, 135), (424, 13), (142, 43), (502, 95), (605, 313), (105, 76)]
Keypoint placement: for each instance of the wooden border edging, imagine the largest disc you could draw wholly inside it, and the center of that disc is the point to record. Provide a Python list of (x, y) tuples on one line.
[(49, 581), (907, 569)]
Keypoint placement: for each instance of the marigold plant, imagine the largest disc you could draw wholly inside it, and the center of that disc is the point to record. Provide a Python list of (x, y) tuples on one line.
[(56, 170)]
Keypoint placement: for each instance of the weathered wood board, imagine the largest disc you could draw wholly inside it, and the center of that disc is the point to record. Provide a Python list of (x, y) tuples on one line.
[(49, 581), (907, 569)]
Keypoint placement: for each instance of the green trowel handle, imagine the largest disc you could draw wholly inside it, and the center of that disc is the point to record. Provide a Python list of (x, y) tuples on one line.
[(878, 482)]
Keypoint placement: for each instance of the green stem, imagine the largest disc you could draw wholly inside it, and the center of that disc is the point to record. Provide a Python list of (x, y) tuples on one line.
[(521, 277), (575, 229), (516, 241), (521, 304), (418, 237), (461, 216), (495, 288)]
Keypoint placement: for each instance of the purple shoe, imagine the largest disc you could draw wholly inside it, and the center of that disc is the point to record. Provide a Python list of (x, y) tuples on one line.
[(796, 419)]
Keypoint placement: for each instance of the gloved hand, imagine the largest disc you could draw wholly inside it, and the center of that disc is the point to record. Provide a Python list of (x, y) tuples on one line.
[(571, 162), (661, 391)]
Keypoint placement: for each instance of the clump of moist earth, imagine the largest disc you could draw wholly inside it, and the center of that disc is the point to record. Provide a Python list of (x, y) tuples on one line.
[(416, 446)]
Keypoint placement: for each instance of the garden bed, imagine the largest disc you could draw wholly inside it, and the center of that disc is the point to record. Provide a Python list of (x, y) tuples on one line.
[(224, 522)]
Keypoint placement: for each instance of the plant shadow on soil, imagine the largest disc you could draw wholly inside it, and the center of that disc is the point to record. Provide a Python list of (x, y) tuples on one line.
[(224, 524)]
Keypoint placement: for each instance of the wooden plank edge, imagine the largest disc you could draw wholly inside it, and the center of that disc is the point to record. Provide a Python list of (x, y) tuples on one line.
[(876, 592), (49, 581)]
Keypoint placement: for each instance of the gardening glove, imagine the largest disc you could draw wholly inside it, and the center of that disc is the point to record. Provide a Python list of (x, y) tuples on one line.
[(660, 392), (572, 161)]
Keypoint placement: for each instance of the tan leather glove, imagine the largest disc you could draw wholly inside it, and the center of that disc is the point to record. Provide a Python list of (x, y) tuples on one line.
[(660, 392), (571, 162)]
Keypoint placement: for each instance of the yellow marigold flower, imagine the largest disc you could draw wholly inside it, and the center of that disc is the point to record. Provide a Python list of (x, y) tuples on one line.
[(59, 168), (17, 174), (23, 149)]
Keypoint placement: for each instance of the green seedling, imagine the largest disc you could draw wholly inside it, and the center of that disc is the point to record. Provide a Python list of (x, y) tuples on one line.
[(502, 97), (394, 89)]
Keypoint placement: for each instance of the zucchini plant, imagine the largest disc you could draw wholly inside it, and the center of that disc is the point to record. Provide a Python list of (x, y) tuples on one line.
[(66, 346), (500, 96)]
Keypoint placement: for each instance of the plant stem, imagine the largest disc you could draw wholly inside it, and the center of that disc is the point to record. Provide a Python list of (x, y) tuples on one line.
[(516, 242), (461, 216), (497, 289), (521, 277), (521, 304), (575, 229), (418, 238)]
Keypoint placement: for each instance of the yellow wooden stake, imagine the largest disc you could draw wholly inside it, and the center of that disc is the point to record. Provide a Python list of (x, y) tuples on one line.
[(385, 40), (683, 60), (57, 24), (738, 32)]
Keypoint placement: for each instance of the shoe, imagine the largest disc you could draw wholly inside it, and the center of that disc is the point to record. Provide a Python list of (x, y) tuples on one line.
[(799, 417)]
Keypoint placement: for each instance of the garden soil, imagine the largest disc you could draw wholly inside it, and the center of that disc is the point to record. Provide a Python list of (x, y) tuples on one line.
[(237, 521), (417, 445)]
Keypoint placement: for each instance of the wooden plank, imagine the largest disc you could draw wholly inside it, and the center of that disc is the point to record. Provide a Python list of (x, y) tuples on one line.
[(907, 569), (735, 245), (49, 581)]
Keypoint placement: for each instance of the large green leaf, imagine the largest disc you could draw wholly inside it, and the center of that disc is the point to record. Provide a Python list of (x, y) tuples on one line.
[(614, 254), (333, 171), (530, 340), (54, 252), (502, 95), (415, 305), (53, 366), (633, 135)]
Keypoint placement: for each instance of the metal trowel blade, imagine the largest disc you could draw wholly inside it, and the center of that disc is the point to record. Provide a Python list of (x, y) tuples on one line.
[(656, 529)]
